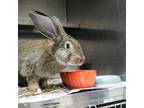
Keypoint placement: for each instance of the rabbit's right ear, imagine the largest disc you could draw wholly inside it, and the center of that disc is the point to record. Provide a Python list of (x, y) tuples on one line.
[(45, 25)]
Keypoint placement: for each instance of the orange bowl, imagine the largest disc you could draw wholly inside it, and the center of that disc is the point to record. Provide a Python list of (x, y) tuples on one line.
[(75, 79)]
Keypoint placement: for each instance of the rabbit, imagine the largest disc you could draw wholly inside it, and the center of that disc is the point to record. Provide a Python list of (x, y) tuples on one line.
[(39, 59)]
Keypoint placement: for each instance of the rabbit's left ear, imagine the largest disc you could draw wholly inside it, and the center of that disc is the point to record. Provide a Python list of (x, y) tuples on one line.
[(45, 25), (58, 25)]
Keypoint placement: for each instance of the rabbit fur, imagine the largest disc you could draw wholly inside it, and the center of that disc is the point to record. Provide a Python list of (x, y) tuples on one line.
[(40, 59)]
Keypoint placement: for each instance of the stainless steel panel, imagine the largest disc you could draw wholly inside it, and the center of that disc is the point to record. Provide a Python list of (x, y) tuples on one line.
[(97, 14), (80, 100)]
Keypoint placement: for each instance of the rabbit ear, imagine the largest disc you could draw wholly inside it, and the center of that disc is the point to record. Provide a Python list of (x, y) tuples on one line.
[(58, 25), (45, 25)]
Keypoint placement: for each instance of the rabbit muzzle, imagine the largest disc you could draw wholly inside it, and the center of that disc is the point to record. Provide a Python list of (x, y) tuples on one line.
[(65, 57), (76, 60)]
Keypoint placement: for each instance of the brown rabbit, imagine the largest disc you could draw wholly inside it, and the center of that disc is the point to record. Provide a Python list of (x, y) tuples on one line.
[(39, 59)]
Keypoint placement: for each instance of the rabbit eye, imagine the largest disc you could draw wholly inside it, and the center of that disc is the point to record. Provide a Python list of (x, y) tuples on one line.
[(67, 45)]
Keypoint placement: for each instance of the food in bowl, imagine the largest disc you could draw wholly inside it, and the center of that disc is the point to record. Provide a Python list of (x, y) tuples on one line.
[(75, 79)]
